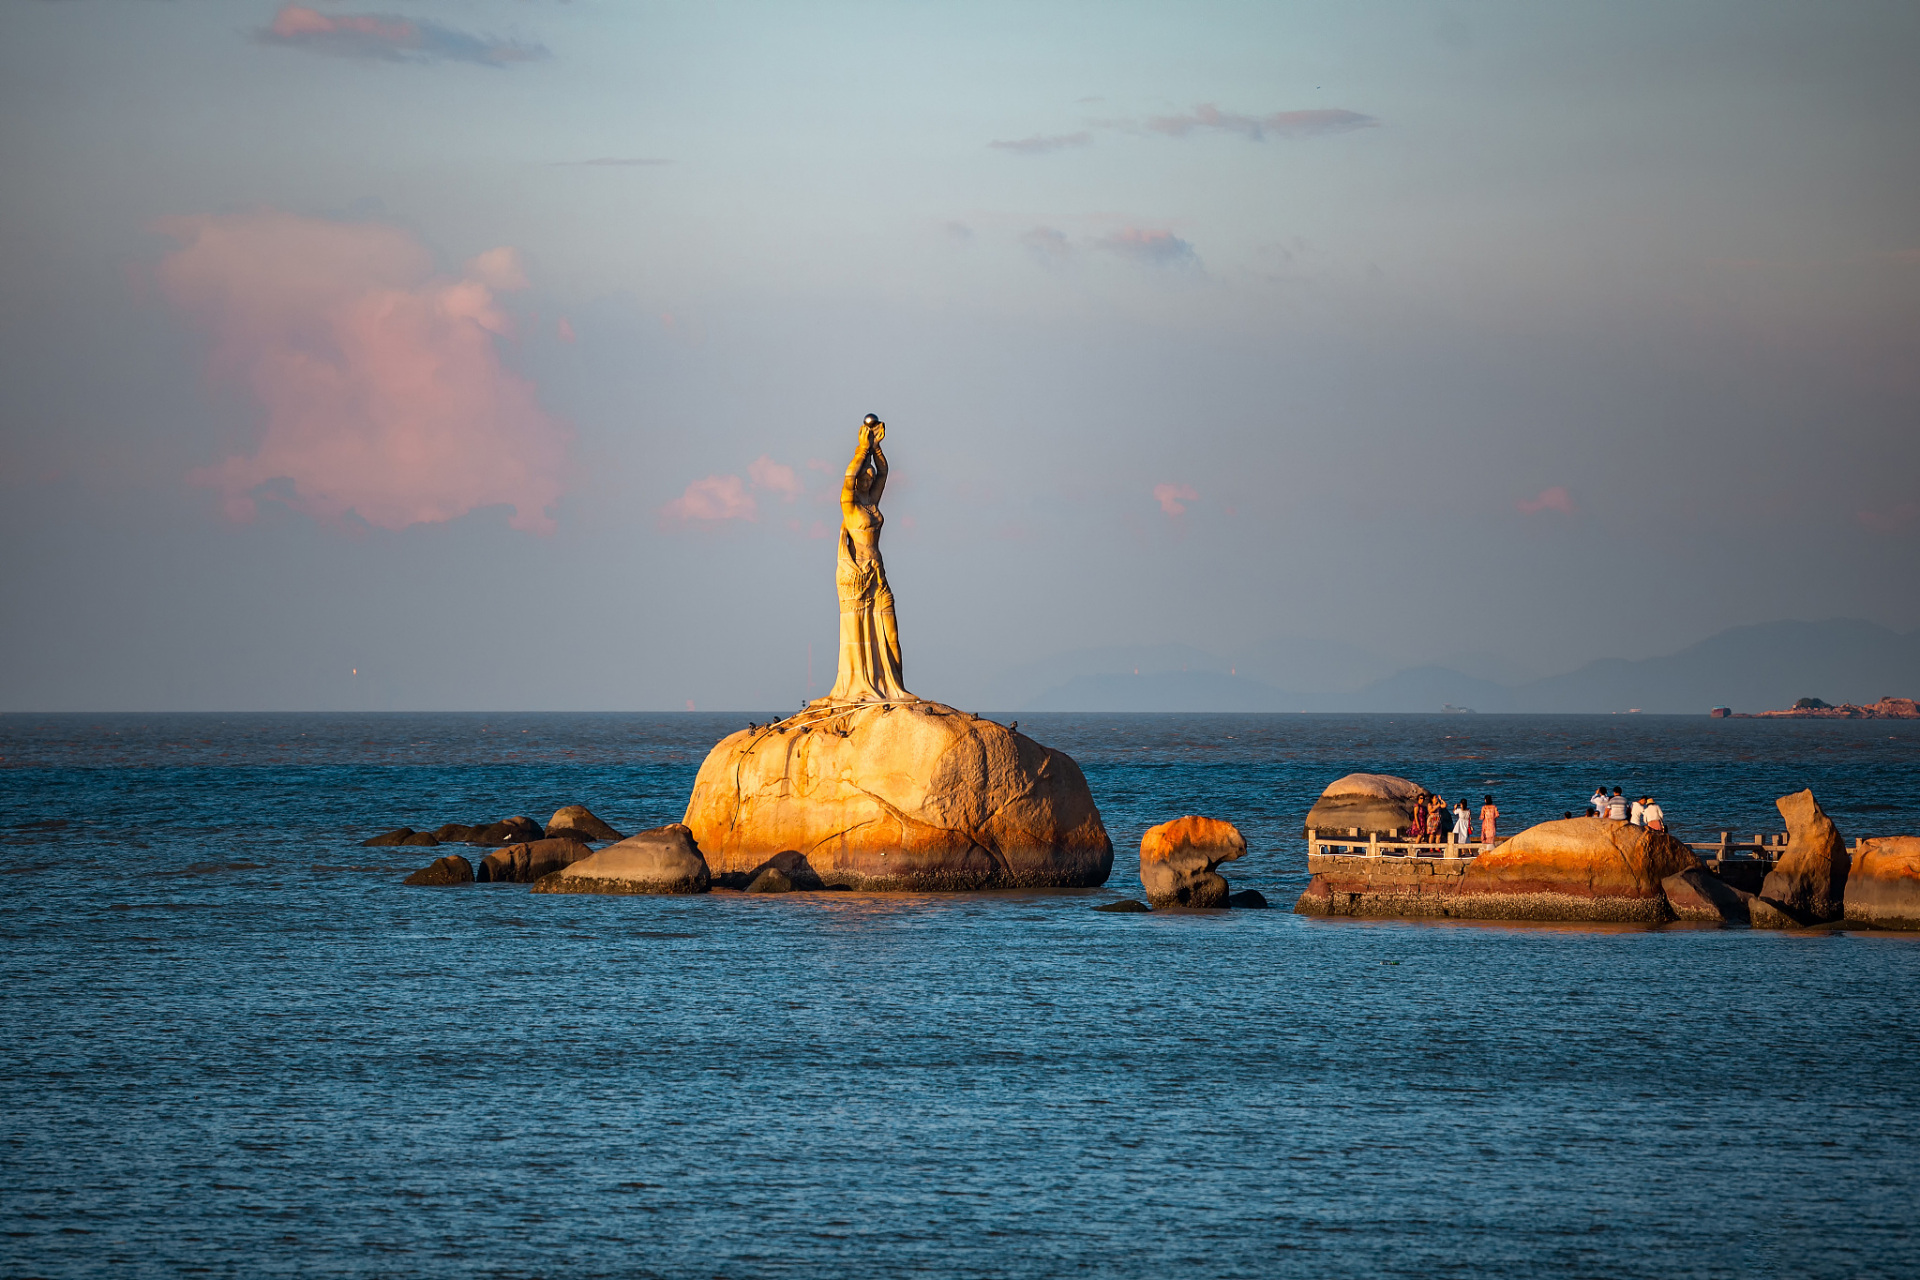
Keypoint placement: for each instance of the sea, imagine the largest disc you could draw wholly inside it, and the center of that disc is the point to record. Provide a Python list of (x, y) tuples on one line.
[(233, 1044)]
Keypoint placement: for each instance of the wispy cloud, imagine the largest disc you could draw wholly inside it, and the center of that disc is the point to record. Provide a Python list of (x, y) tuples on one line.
[(1042, 144), (380, 382), (614, 162), (1173, 498), (709, 501), (1554, 499), (1047, 243), (774, 477), (1160, 248), (1282, 124), (386, 38)]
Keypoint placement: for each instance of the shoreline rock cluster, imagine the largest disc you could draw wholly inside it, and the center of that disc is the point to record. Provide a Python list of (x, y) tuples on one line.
[(523, 850), (1888, 708)]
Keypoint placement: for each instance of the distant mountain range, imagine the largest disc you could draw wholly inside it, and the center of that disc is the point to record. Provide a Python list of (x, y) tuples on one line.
[(1754, 668)]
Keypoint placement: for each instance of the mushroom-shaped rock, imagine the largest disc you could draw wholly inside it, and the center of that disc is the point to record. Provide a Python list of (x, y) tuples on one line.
[(525, 863), (1697, 894), (577, 820), (452, 869), (664, 860), (1576, 869), (1177, 861), (1371, 802), (1809, 883), (514, 830), (897, 796), (1883, 885)]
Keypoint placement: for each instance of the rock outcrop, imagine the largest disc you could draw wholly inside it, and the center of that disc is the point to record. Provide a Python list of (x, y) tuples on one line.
[(575, 821), (1809, 883), (514, 830), (897, 796), (665, 860), (1883, 884), (400, 836), (1370, 802), (452, 869), (525, 863), (1247, 900), (1578, 869), (1698, 895), (1124, 907), (1573, 869), (1177, 861)]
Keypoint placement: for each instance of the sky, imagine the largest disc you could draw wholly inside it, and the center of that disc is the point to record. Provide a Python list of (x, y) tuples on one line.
[(499, 356)]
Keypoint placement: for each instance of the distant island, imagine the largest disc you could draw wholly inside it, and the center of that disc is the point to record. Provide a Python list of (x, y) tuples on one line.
[(1815, 709)]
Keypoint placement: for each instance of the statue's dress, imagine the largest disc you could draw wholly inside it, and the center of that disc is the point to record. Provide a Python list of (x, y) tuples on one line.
[(869, 636)]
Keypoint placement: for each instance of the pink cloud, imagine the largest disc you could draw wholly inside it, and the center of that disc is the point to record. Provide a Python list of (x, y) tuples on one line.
[(1286, 124), (1161, 248), (1891, 519), (1173, 498), (386, 38), (565, 329), (775, 477), (1555, 499), (380, 383), (712, 499)]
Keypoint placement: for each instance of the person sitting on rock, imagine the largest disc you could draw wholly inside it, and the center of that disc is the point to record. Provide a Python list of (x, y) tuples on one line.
[(1637, 813), (1599, 802), (1656, 817), (1617, 806)]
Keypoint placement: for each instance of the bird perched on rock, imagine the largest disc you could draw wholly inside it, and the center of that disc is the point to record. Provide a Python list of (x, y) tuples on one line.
[(1013, 726)]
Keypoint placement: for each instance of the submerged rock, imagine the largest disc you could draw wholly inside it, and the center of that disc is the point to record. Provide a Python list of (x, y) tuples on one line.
[(514, 830), (1697, 894), (1248, 900), (1177, 861), (1809, 883), (897, 796), (525, 863), (397, 837), (454, 833), (1126, 906), (1883, 884), (452, 869), (665, 860), (1372, 802), (577, 822)]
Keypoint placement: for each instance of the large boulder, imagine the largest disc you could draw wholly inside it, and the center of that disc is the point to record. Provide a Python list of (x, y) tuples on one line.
[(1883, 885), (578, 822), (1698, 895), (1372, 802), (897, 796), (1177, 861), (1576, 869), (525, 863), (1808, 884), (452, 869), (664, 860)]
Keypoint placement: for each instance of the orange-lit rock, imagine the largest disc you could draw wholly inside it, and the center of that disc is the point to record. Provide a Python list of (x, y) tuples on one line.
[(1883, 884), (1809, 883), (664, 860), (1698, 895), (1177, 861), (1370, 801), (897, 795), (1581, 869)]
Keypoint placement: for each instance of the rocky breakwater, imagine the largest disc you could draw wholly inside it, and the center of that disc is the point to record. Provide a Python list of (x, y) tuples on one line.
[(1365, 804), (1883, 884), (665, 860), (1573, 869), (1808, 885), (1177, 861), (898, 795)]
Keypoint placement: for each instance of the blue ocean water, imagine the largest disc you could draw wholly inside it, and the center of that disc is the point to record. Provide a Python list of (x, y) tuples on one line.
[(232, 1044)]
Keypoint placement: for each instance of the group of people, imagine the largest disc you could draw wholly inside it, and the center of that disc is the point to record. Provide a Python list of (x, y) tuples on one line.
[(1435, 823), (1641, 811)]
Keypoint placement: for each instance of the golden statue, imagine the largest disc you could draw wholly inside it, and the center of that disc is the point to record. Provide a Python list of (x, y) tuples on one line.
[(869, 635)]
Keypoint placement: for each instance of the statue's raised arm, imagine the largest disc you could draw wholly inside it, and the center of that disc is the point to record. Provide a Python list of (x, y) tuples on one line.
[(870, 667)]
